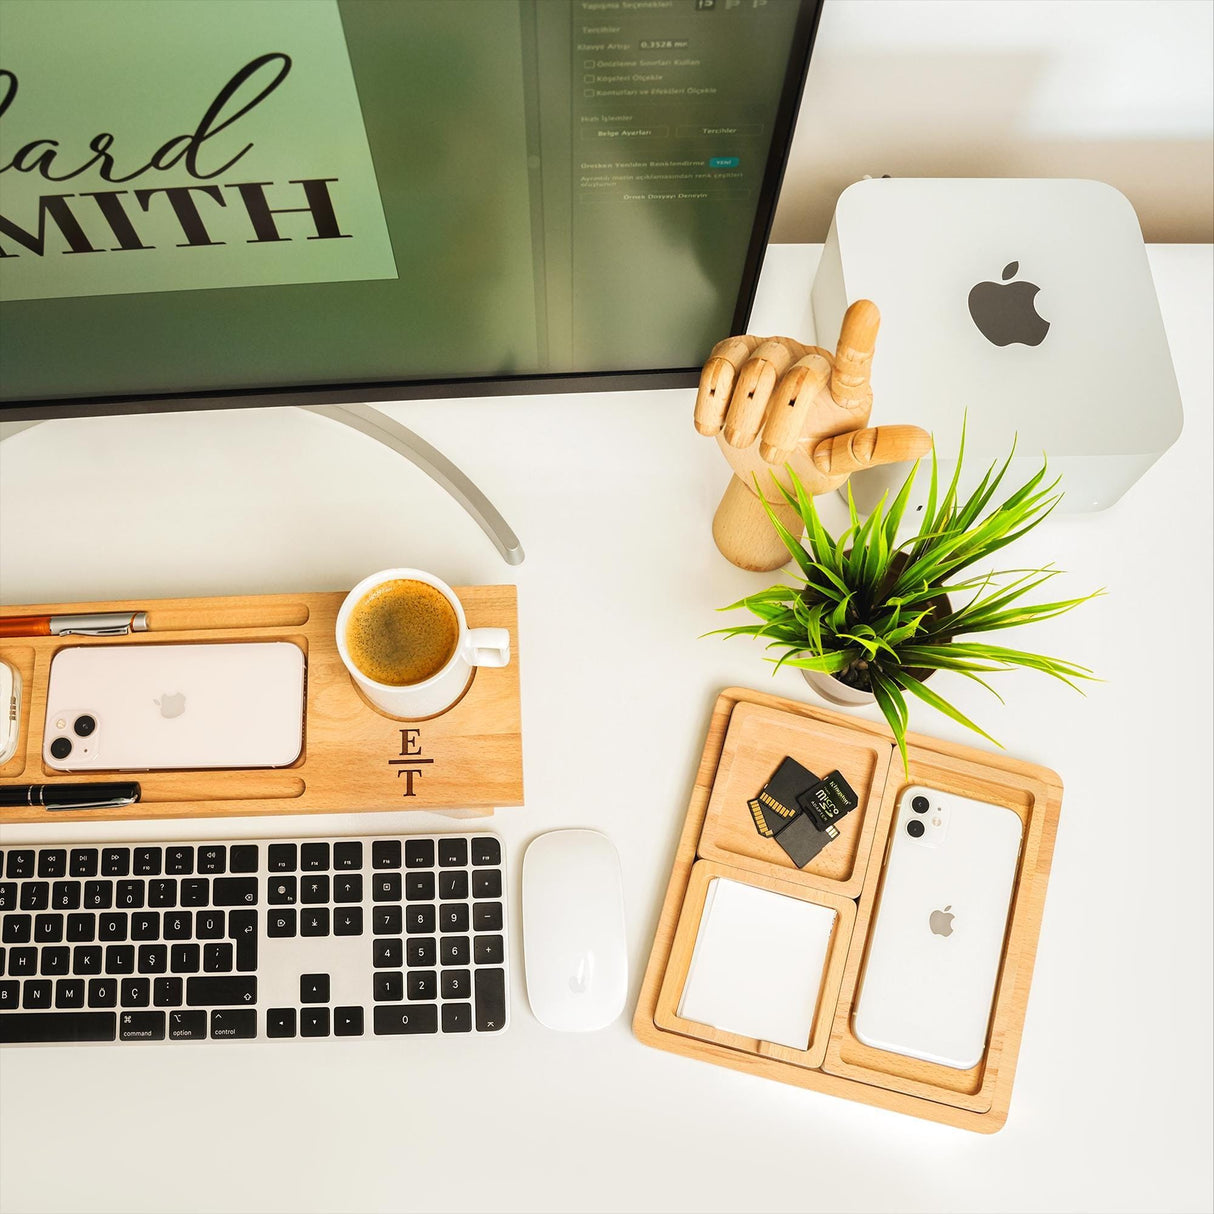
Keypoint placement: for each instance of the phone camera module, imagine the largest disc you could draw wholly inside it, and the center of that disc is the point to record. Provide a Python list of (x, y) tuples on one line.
[(919, 804), (61, 748), (915, 828), (84, 726)]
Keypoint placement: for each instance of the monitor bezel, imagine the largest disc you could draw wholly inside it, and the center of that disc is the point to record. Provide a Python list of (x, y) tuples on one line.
[(658, 378)]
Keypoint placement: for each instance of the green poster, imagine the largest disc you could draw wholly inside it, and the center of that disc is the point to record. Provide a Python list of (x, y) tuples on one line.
[(217, 143)]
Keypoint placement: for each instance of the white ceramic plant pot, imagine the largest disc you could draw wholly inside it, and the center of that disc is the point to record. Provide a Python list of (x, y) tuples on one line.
[(834, 692)]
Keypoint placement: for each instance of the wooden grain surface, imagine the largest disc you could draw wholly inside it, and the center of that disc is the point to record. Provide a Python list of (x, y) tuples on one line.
[(354, 758)]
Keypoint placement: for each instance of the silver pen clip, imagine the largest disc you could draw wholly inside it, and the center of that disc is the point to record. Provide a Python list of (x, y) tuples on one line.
[(99, 624)]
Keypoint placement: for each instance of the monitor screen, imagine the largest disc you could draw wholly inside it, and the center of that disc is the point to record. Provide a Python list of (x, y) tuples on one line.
[(216, 202)]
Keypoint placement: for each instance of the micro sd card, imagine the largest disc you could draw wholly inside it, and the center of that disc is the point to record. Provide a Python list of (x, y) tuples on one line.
[(828, 800), (802, 840)]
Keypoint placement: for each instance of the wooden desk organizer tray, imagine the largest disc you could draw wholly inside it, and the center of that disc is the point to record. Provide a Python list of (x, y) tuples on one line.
[(750, 733), (468, 760)]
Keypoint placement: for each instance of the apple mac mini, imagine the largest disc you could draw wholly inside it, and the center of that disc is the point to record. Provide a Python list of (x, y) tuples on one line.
[(1025, 307)]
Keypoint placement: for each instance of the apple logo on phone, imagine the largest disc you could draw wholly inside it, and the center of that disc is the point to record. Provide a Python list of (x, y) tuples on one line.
[(171, 705), (941, 922), (1005, 312)]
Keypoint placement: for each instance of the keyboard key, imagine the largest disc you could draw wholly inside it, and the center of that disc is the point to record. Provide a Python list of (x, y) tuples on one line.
[(280, 891), (413, 1018), (348, 887), (314, 988), (314, 889), (457, 1017), (419, 853), (20, 864), (453, 884), (488, 950), (454, 950), (209, 925), (185, 958), (234, 891), (280, 1022), (453, 853), (487, 916), (419, 919), (35, 895), (141, 1026), (387, 921), (86, 959), (65, 895), (388, 987), (81, 928), (314, 857), (29, 1027), (348, 857), (167, 992), (16, 929), (423, 951), (112, 926), (490, 1000), (48, 929), (115, 861), (103, 992), (242, 928), (348, 1022), (453, 917), (52, 862), (419, 887), (37, 993), (153, 958), (98, 895), (234, 1024), (128, 894), (179, 860), (212, 858), (187, 1026), (8, 896), (146, 862), (3, 954), (178, 925), (196, 891), (348, 921), (230, 990), (385, 853), (69, 993), (136, 992), (421, 984), (487, 883), (22, 962), (217, 958), (281, 858), (387, 954), (119, 958), (314, 1022), (280, 923), (486, 850), (82, 862), (385, 887), (456, 984), (10, 994), (145, 925), (56, 961), (314, 921), (243, 858), (162, 892)]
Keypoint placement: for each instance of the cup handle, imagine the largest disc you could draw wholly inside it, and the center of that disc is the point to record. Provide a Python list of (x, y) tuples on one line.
[(488, 647)]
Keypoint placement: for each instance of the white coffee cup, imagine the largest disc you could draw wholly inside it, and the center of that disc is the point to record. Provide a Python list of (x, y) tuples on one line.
[(412, 701)]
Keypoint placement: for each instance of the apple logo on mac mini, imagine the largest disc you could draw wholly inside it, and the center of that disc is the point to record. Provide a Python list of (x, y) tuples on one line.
[(1006, 313), (941, 922), (171, 705)]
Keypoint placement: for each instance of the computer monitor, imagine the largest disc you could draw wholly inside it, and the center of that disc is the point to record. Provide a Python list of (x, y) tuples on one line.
[(209, 203)]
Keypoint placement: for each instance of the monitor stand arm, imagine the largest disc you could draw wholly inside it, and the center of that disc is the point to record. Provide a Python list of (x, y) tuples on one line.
[(416, 450)]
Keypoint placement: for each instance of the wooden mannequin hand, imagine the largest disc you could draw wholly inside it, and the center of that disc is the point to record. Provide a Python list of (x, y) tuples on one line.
[(805, 407)]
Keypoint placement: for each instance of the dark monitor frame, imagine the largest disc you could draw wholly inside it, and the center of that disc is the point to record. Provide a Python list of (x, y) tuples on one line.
[(804, 33)]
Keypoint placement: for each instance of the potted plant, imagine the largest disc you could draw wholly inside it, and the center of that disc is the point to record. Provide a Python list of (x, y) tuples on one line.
[(872, 618)]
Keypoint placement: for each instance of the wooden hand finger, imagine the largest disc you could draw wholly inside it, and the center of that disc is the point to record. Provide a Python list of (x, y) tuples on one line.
[(850, 381), (758, 376), (790, 406), (847, 453), (717, 380)]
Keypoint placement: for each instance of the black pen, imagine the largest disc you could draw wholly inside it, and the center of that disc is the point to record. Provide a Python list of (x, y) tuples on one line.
[(70, 796)]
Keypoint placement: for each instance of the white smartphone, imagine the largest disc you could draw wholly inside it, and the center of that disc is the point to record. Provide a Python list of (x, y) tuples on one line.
[(149, 707), (934, 952)]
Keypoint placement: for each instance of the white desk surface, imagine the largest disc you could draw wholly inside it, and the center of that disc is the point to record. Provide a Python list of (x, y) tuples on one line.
[(612, 497)]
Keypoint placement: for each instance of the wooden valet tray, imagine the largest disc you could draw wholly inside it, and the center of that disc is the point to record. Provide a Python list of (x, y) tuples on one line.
[(749, 734), (354, 758)]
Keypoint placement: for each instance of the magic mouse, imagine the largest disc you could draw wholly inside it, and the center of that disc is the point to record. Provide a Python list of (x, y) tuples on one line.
[(573, 930)]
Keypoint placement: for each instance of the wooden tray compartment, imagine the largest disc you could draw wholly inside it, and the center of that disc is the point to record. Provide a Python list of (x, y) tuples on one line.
[(666, 1015), (971, 1100), (468, 760)]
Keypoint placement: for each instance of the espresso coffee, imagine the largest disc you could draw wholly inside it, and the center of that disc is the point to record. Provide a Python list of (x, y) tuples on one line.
[(402, 632)]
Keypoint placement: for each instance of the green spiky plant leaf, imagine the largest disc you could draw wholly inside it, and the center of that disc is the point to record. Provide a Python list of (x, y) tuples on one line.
[(881, 615)]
